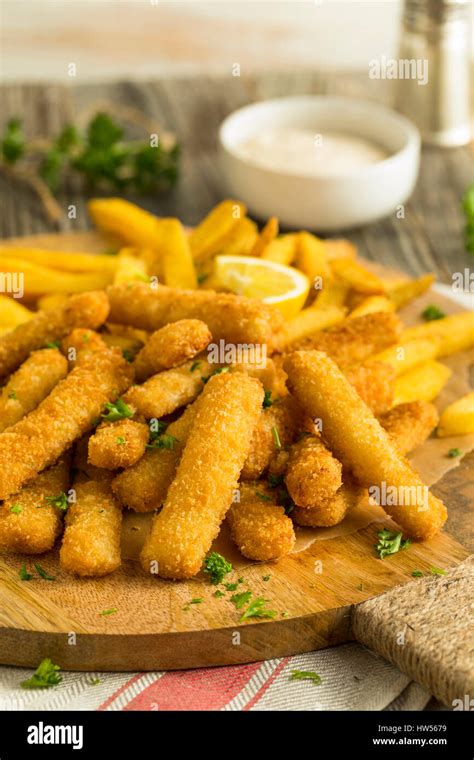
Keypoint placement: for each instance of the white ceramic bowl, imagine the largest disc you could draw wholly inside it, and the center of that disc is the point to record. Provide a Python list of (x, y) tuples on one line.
[(324, 203)]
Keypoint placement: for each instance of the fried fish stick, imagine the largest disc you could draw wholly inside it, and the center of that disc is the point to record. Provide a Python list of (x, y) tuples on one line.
[(91, 540), (355, 340), (143, 487), (375, 383), (360, 442), (201, 493), (332, 511), (171, 346), (30, 384), (167, 391), (80, 345), (409, 425), (236, 319), (70, 410), (313, 474), (118, 444), (275, 429), (261, 531), (82, 310), (29, 523)]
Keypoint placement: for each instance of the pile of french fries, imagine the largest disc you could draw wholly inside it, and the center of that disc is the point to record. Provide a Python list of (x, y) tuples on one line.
[(113, 398)]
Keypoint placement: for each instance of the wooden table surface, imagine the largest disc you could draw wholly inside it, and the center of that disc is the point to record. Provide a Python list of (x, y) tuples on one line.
[(429, 238)]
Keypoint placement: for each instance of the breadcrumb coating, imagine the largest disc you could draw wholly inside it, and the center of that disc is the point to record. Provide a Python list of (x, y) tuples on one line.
[(354, 340), (80, 344), (171, 346), (30, 384), (332, 511), (143, 487), (261, 531), (118, 444), (91, 540), (70, 410), (28, 522), (409, 425), (236, 319), (167, 391), (313, 474), (207, 475), (276, 425), (374, 381), (82, 310), (359, 441)]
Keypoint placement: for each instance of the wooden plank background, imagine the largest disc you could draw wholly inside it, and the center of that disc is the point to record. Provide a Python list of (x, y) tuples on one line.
[(429, 238)]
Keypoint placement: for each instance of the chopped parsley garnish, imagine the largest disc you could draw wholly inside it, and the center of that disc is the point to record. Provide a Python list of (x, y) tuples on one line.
[(267, 400), (231, 586), (13, 395), (202, 278), (127, 355), (256, 609), (60, 501), (275, 480), (45, 676), (240, 599), (120, 440), (306, 675), (276, 438), (218, 371), (468, 208), (195, 365), (43, 574), (197, 600), (262, 496), (390, 542), (53, 344), (217, 567), (240, 580), (164, 441), (417, 573), (452, 453), (95, 681), (218, 593), (110, 611), (432, 312), (118, 410), (437, 571), (265, 578), (16, 509), (23, 573)]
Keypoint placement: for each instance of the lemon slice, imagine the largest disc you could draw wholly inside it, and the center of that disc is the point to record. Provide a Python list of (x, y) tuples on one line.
[(284, 287)]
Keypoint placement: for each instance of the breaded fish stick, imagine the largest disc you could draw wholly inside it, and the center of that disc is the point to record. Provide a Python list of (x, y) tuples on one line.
[(167, 391), (275, 429), (261, 531), (91, 540), (409, 425), (70, 410), (80, 344), (30, 384), (118, 444), (375, 383), (143, 487), (81, 310), (359, 441), (171, 346), (313, 475), (354, 340), (201, 493), (330, 512), (29, 522), (236, 319)]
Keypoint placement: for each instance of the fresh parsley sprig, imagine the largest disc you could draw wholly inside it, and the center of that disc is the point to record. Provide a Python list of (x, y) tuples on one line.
[(45, 676), (118, 410), (390, 542), (217, 567)]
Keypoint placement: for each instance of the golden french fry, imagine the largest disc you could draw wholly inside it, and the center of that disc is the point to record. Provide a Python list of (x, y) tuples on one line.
[(39, 279), (130, 267), (66, 261), (243, 239), (216, 229), (405, 356), (372, 304), (175, 255), (309, 321), (458, 417), (357, 276), (401, 293), (454, 333), (339, 248), (51, 301), (311, 257), (423, 383), (282, 250), (267, 235), (13, 313), (131, 223), (334, 293)]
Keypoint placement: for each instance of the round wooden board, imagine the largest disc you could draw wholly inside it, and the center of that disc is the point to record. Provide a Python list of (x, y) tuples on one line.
[(154, 626)]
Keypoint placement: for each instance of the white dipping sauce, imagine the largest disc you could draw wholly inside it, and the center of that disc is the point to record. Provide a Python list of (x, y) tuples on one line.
[(305, 151)]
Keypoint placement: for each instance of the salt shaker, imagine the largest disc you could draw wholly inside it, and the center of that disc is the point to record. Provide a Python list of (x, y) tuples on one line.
[(436, 41)]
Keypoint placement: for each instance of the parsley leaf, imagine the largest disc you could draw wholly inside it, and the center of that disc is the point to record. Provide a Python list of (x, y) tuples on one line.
[(45, 676), (267, 400), (240, 599), (390, 542), (437, 571), (13, 142), (13, 395), (432, 312), (256, 609), (306, 675), (43, 574), (417, 574), (23, 573), (118, 410), (110, 611), (276, 438), (60, 501), (16, 509), (164, 441), (217, 567), (452, 453)]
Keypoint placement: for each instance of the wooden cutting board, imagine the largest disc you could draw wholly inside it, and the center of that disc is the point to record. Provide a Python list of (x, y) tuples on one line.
[(153, 626)]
